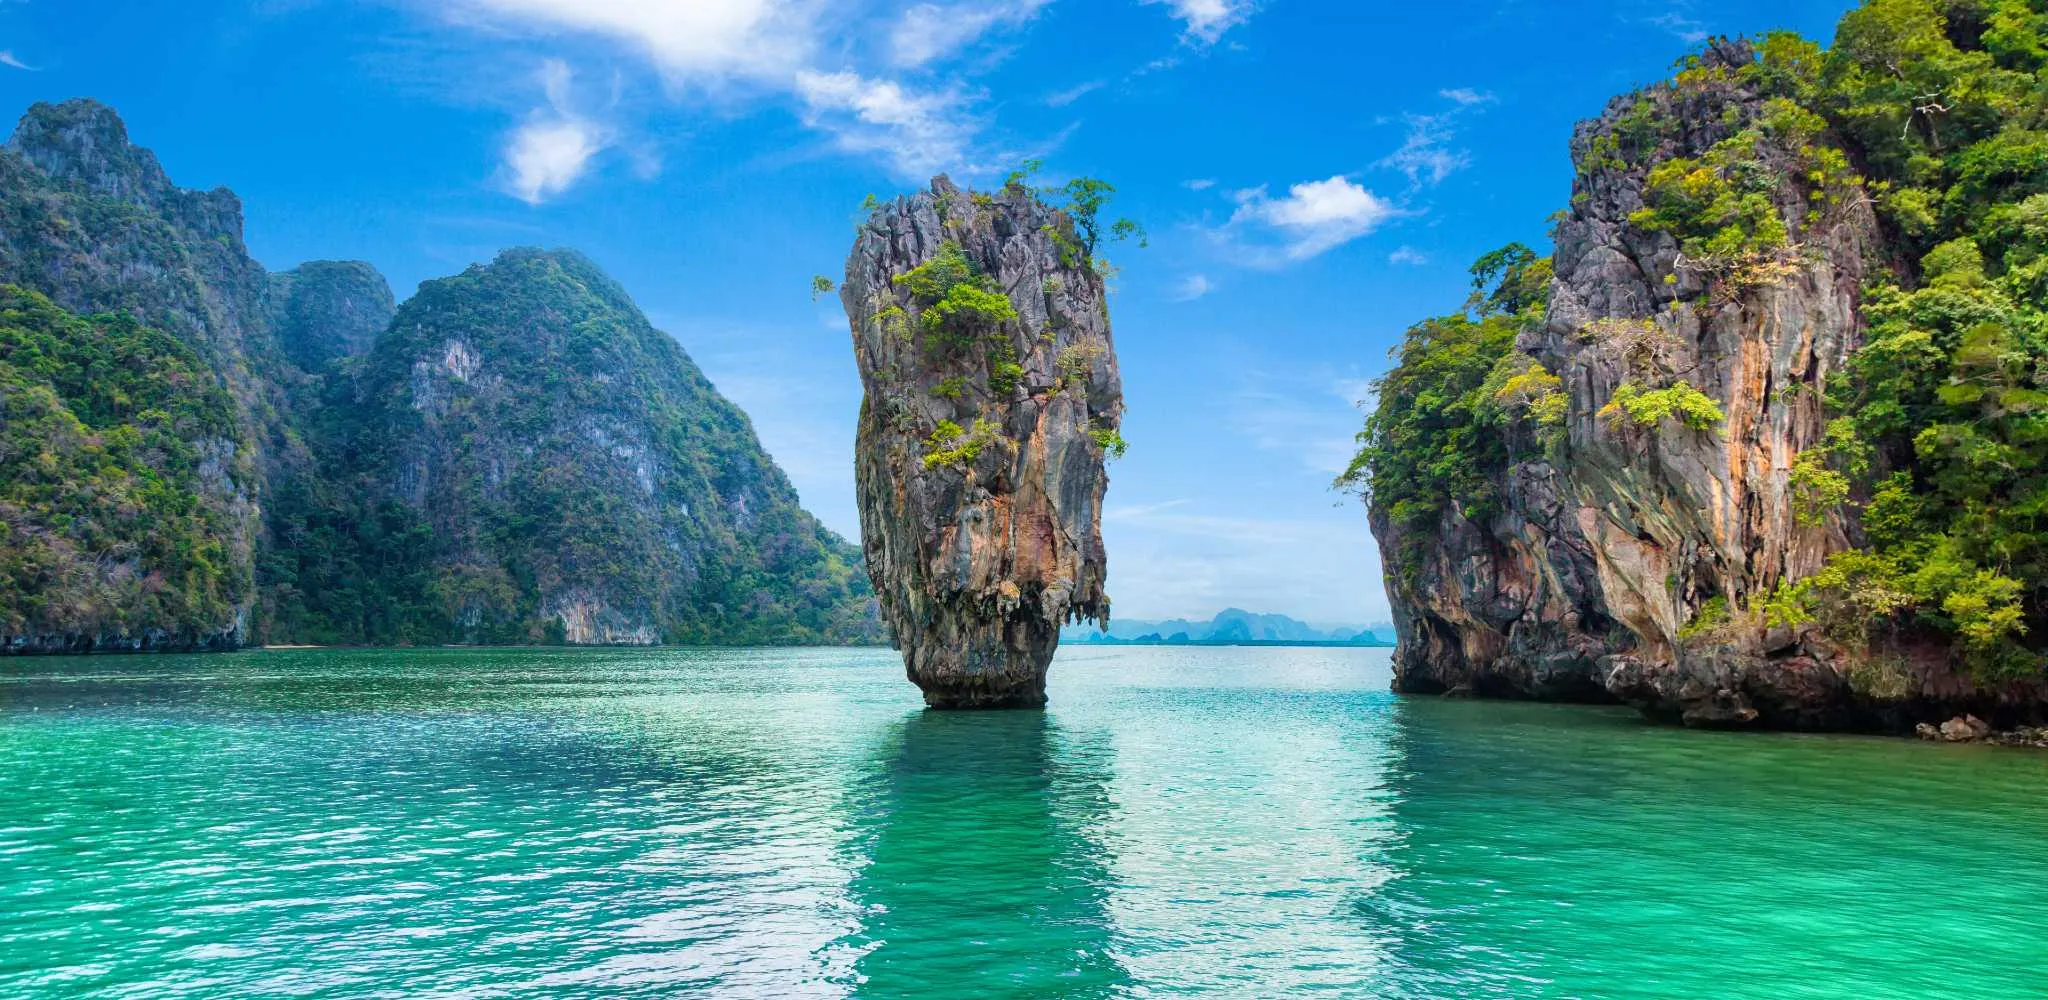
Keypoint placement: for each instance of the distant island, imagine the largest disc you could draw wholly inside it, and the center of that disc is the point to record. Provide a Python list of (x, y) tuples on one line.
[(1230, 627)]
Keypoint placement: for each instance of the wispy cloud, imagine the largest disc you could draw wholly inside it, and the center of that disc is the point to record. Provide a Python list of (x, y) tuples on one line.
[(1199, 184), (1313, 217), (547, 154), (8, 58), (1131, 512), (1426, 157), (930, 32), (1192, 287), (1310, 416), (919, 133), (1407, 255), (1205, 21), (1688, 30), (1466, 96), (1062, 98)]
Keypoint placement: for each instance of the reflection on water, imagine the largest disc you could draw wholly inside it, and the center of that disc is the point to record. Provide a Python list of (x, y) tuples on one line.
[(979, 871), (779, 823)]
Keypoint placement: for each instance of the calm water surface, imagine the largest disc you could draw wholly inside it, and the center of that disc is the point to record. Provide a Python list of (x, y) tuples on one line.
[(770, 823)]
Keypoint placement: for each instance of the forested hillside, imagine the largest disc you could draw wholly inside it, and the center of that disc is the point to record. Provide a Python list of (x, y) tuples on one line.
[(199, 453)]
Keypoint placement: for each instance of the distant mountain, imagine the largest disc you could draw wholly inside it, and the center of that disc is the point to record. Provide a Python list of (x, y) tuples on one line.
[(196, 453), (1229, 625)]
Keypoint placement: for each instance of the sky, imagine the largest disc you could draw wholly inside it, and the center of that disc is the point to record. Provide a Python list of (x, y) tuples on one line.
[(1315, 176)]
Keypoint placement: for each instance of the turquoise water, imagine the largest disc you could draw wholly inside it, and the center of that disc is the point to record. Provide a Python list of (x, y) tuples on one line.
[(1183, 822)]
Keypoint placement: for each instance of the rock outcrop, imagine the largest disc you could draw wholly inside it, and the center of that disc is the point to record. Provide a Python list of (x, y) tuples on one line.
[(981, 330), (1618, 544)]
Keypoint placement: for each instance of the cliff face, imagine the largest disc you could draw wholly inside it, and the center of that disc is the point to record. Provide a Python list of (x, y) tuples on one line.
[(580, 479), (1661, 496), (92, 222), (991, 393), (123, 503)]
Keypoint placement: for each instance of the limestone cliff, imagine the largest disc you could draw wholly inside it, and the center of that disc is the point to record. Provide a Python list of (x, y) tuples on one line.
[(1613, 551), (93, 222), (579, 479), (981, 330)]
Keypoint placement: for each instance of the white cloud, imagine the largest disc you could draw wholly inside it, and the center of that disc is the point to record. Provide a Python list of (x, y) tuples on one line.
[(1198, 184), (758, 48), (1192, 287), (1310, 417), (929, 32), (1466, 96), (1314, 217), (1408, 255), (919, 133), (708, 41), (553, 149), (1426, 156), (8, 58), (1206, 20)]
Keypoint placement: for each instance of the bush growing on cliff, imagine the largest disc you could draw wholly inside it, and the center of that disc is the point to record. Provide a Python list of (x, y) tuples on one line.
[(1632, 404), (1110, 440), (952, 446), (956, 305)]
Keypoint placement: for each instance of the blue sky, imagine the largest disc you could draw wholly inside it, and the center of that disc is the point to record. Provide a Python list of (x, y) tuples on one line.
[(1315, 176)]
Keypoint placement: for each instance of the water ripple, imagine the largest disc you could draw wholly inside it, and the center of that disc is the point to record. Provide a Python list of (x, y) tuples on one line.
[(781, 823)]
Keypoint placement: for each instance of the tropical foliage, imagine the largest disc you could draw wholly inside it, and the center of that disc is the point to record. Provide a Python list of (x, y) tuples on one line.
[(1434, 443), (120, 459)]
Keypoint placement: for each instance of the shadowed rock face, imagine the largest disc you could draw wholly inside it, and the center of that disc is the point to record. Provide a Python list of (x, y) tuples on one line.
[(982, 435)]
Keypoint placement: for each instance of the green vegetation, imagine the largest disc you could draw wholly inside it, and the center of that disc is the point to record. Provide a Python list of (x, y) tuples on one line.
[(561, 449), (1076, 361), (1633, 404), (1712, 618), (820, 285), (1434, 445), (956, 304), (1110, 440), (121, 466), (951, 446), (1934, 113), (1005, 375), (1942, 436), (1081, 229), (1723, 206)]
